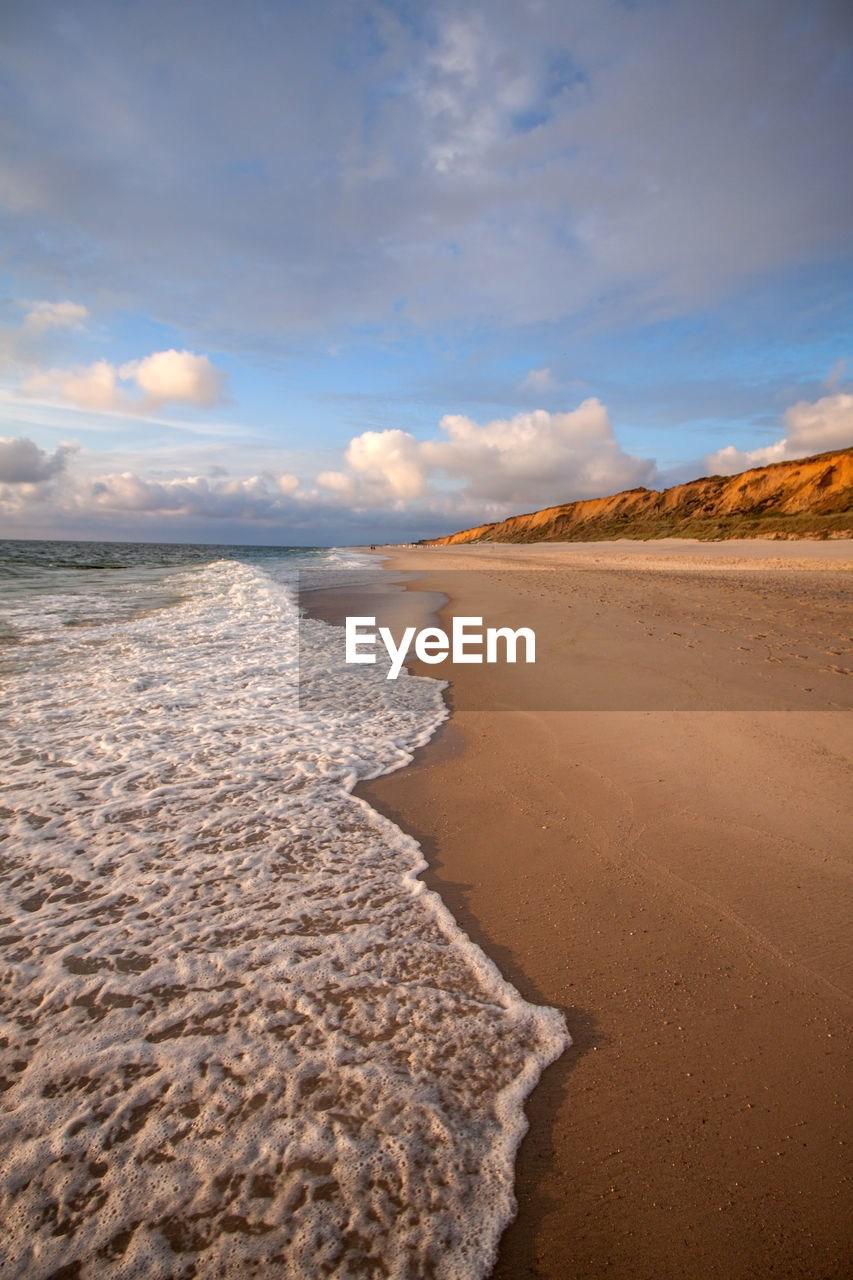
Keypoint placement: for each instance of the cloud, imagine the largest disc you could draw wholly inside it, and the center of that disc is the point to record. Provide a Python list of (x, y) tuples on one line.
[(468, 471), (44, 329), (532, 460), (462, 124), (812, 427), (176, 377), (337, 482), (826, 424), (538, 380), (94, 387), (54, 315), (262, 498), (23, 462), (516, 162), (166, 377), (394, 458), (269, 498)]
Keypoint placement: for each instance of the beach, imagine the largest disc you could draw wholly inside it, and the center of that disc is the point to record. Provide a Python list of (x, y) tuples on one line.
[(675, 874)]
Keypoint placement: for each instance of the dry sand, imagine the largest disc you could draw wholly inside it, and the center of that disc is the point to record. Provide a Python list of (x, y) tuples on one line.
[(678, 881)]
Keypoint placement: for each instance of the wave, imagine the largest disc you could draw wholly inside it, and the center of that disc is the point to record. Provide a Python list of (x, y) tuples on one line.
[(240, 1034)]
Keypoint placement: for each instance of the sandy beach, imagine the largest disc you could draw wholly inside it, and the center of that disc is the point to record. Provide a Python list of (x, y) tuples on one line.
[(675, 874)]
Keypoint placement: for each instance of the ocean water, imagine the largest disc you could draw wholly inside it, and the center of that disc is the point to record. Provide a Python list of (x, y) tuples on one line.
[(239, 1036)]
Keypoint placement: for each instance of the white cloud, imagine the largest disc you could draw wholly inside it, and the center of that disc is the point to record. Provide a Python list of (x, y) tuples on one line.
[(812, 427), (729, 460), (92, 388), (175, 377), (538, 380), (166, 377), (45, 328), (468, 162), (54, 315), (461, 122), (826, 424), (23, 462), (468, 472), (262, 498), (532, 460), (337, 482), (393, 455), (270, 498)]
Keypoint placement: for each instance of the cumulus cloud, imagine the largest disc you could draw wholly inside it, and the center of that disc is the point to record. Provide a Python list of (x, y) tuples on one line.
[(177, 377), (337, 482), (263, 498), (533, 460), (115, 498), (812, 427), (23, 462), (467, 472), (393, 458), (139, 386)]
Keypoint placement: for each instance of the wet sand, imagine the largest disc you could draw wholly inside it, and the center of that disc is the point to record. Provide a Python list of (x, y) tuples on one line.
[(677, 880)]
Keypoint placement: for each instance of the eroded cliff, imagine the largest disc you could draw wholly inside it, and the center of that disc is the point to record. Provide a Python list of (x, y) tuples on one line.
[(807, 497)]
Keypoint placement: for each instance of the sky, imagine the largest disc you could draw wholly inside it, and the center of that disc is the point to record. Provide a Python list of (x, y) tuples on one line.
[(366, 271)]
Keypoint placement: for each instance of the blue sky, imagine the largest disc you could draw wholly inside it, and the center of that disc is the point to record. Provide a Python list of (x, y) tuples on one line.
[(362, 271)]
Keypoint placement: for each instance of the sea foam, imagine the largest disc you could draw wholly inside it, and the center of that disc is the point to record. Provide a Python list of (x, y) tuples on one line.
[(240, 1037)]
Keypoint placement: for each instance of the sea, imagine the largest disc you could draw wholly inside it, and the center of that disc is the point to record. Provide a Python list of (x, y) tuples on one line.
[(240, 1037)]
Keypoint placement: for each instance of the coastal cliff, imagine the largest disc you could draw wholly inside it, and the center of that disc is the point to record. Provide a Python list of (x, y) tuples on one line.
[(804, 498)]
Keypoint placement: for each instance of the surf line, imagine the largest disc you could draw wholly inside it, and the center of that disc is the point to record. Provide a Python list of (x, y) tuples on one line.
[(432, 644)]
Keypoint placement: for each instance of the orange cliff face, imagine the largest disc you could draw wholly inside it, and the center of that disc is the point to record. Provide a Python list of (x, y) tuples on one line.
[(809, 497)]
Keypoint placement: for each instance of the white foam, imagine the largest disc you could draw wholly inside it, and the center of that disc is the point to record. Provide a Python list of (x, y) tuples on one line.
[(240, 1034)]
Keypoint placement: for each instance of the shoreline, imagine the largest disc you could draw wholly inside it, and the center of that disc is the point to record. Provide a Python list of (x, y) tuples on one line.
[(699, 1124)]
